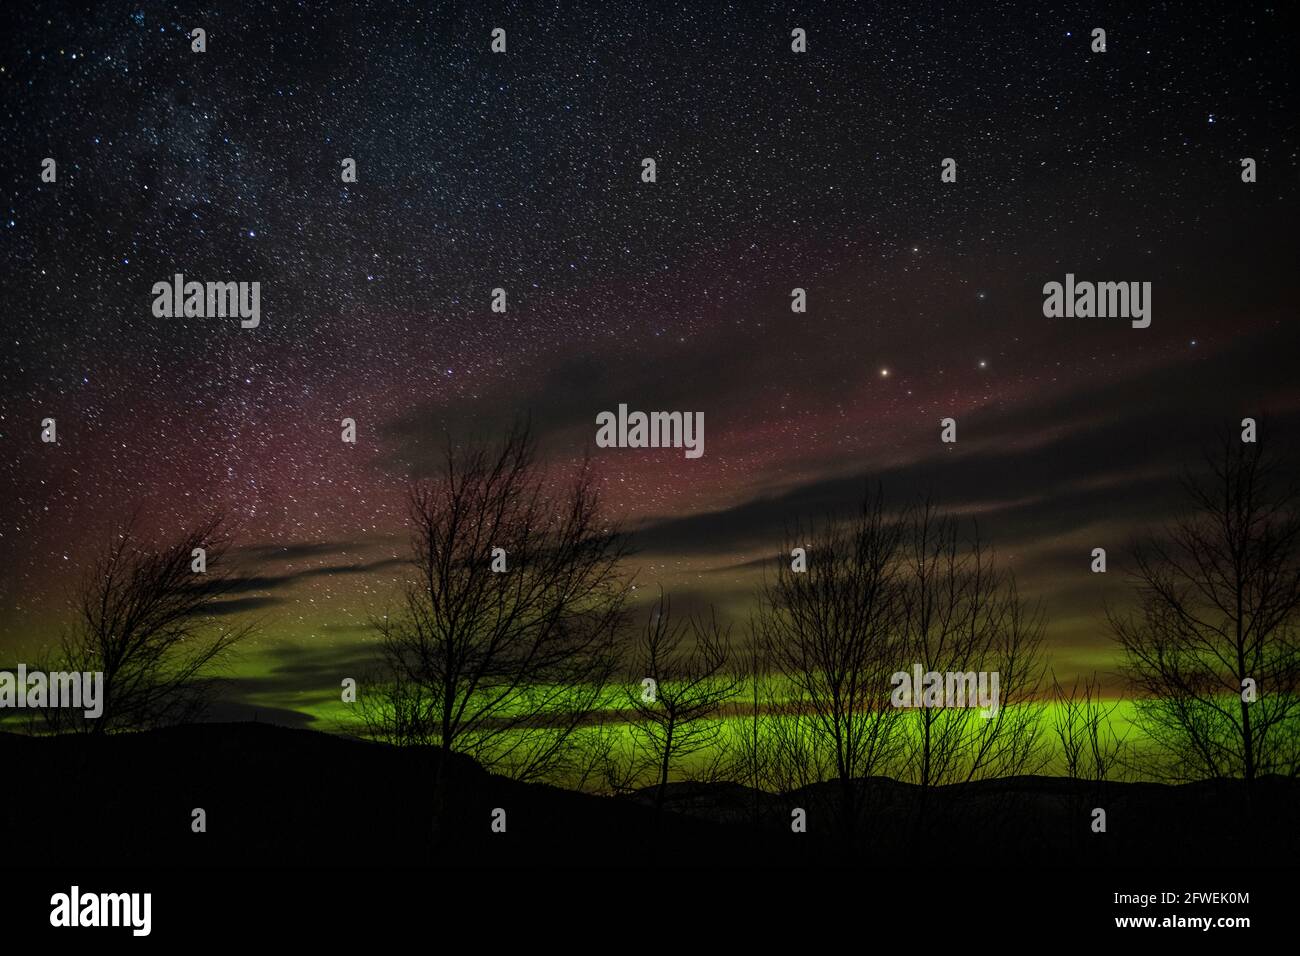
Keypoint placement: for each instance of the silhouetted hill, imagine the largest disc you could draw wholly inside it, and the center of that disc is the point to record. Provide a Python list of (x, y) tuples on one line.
[(1035, 820), (276, 796)]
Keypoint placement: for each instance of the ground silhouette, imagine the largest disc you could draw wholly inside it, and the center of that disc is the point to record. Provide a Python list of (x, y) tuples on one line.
[(277, 796)]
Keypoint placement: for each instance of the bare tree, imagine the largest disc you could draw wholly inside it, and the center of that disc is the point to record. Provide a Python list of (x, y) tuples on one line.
[(1082, 720), (503, 654), (152, 625), (829, 633), (960, 615), (756, 756), (677, 712), (1212, 642), (779, 748), (392, 708)]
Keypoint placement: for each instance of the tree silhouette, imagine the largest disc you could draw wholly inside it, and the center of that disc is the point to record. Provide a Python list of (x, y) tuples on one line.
[(148, 621), (960, 614), (829, 633), (503, 664), (1215, 623), (677, 715), (1081, 720)]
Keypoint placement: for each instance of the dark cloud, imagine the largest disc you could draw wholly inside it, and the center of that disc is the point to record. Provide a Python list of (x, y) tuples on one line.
[(241, 605), (291, 551), (1109, 451), (236, 711), (268, 582)]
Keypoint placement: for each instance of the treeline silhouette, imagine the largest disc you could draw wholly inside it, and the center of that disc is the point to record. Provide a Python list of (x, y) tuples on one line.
[(514, 659)]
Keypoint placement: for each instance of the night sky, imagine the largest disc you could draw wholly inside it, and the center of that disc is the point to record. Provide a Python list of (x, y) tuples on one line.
[(522, 170)]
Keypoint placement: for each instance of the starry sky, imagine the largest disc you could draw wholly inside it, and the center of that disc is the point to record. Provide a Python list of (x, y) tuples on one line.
[(522, 170)]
